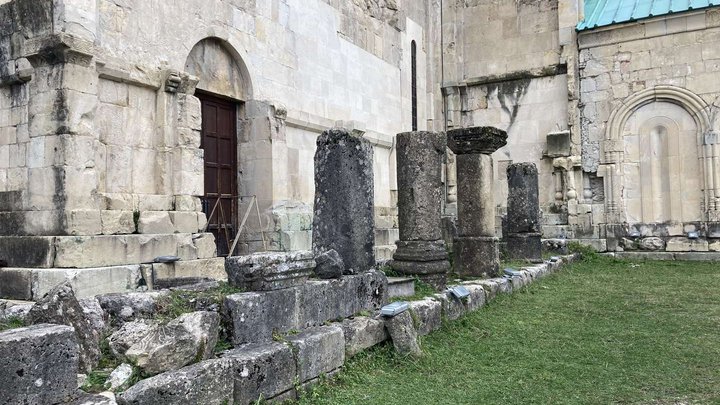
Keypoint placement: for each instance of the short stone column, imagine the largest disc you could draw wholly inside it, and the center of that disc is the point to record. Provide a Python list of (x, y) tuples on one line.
[(421, 249), (523, 213), (476, 247), (344, 199)]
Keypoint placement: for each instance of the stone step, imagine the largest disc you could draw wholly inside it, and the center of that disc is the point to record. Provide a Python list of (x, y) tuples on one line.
[(384, 252), (401, 287), (168, 274)]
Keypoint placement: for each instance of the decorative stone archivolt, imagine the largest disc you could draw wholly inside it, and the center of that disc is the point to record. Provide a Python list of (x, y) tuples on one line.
[(614, 148)]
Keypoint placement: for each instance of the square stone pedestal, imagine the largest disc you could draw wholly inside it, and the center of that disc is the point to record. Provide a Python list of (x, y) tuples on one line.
[(477, 256), (524, 246)]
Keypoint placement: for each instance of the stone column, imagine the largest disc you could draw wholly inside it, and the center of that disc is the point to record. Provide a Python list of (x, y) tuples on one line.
[(476, 247), (523, 215), (344, 199), (421, 249)]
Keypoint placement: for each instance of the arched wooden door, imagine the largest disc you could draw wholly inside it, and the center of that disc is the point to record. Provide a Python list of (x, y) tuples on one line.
[(219, 141)]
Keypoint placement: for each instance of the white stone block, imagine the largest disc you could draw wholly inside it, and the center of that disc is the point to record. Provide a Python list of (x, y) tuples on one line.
[(84, 222), (117, 222), (205, 244), (687, 245), (88, 282), (155, 222), (184, 222)]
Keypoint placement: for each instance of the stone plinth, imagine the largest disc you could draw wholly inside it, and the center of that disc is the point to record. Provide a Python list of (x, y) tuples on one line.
[(270, 270), (476, 247), (344, 193), (421, 249), (523, 214)]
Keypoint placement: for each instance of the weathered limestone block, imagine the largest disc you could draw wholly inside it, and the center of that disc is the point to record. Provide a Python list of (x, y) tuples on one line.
[(476, 247), (130, 334), (184, 222), (180, 342), (87, 282), (61, 307), (428, 313), (95, 399), (255, 316), (318, 351), (153, 222), (329, 265), (127, 307), (344, 199), (523, 213), (261, 371), (38, 364), (476, 299), (94, 313), (362, 333), (403, 334), (208, 382), (189, 271), (269, 270), (452, 307), (320, 301), (558, 144), (205, 245), (83, 222), (117, 222), (687, 245), (27, 251)]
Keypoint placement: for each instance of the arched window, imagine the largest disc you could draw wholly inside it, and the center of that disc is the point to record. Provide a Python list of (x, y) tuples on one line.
[(413, 80)]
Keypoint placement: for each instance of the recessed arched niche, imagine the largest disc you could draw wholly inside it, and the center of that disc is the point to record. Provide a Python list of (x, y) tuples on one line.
[(659, 159), (663, 177)]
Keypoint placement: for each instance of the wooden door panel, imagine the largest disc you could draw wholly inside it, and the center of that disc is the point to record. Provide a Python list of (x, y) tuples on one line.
[(219, 143)]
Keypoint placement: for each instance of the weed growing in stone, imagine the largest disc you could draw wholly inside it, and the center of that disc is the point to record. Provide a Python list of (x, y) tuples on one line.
[(11, 323)]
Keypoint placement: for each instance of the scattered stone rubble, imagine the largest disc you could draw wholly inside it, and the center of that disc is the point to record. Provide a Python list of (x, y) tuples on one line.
[(323, 328)]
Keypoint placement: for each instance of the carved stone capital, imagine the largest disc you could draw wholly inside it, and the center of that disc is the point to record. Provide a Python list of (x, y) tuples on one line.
[(474, 140)]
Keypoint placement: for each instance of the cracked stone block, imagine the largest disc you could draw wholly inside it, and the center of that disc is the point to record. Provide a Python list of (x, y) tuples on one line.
[(261, 370), (428, 313), (362, 333), (318, 351), (38, 364)]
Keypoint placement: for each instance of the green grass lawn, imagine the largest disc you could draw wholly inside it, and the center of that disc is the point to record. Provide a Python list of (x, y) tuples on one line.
[(598, 332)]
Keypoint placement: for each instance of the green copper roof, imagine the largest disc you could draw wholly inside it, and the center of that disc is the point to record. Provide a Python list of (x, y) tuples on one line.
[(600, 13)]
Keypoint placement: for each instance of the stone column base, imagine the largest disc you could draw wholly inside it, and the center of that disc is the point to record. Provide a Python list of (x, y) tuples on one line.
[(524, 246), (477, 256), (426, 260)]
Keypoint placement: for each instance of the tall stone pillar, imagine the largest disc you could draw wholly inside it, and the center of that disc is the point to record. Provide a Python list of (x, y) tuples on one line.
[(476, 247), (344, 199), (523, 213), (421, 249)]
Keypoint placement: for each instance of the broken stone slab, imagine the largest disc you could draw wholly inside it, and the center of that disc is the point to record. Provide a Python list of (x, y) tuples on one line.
[(185, 339), (268, 271), (261, 371), (329, 264), (362, 333), (344, 199), (318, 351), (428, 313), (119, 378), (38, 364), (255, 316), (209, 382), (403, 334), (130, 334), (61, 307)]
